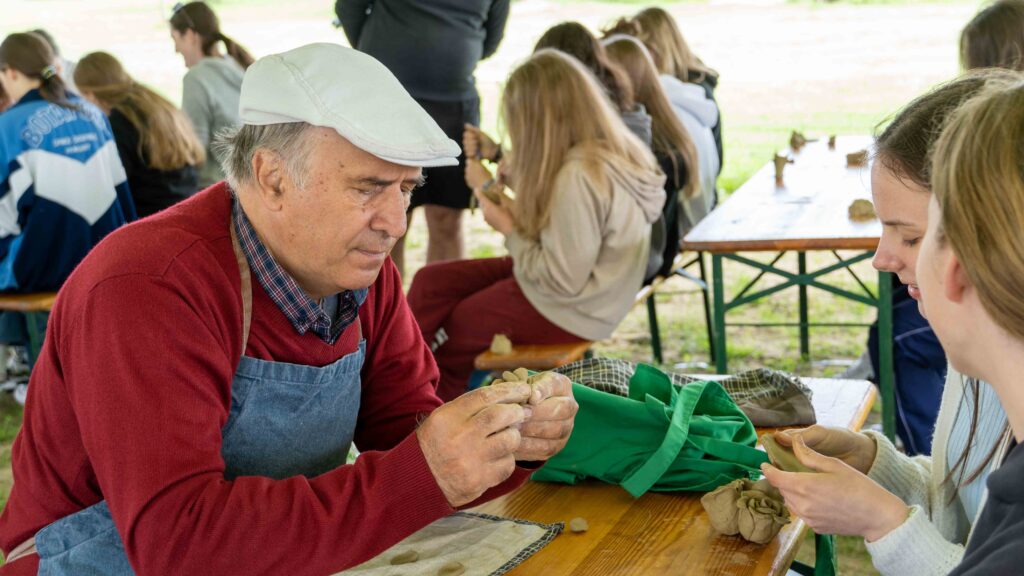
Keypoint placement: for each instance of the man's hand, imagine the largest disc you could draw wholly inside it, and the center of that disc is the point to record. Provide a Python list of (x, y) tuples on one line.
[(470, 443), (856, 449), (554, 410)]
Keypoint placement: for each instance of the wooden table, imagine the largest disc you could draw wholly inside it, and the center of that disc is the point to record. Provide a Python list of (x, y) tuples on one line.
[(662, 533), (808, 212)]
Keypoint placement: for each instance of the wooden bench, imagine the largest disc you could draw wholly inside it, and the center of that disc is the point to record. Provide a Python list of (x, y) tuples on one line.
[(36, 308), (548, 356)]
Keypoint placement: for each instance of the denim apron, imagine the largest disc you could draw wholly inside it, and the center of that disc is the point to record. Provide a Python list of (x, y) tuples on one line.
[(285, 420)]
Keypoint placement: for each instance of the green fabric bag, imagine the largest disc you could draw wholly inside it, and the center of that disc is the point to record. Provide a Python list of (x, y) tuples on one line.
[(662, 437)]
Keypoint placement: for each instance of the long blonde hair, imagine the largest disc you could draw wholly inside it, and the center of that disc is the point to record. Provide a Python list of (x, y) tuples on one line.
[(978, 181), (671, 53), (166, 138), (669, 136), (551, 105)]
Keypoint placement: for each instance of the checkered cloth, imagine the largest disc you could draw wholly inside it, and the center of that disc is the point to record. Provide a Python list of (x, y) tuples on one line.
[(302, 311), (770, 398)]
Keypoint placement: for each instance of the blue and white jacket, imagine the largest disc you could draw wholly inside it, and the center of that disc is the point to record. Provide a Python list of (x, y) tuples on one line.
[(62, 189)]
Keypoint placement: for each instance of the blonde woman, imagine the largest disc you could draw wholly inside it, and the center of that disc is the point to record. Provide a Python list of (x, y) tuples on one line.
[(971, 271), (682, 73), (915, 513), (155, 140), (577, 233), (671, 143)]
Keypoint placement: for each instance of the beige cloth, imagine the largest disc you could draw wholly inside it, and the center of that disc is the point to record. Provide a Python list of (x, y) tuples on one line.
[(485, 545), (584, 271)]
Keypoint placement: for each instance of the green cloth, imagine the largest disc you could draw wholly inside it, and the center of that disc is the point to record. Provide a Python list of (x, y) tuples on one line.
[(662, 437)]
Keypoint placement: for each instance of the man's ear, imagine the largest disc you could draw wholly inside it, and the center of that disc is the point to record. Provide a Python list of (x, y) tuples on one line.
[(268, 173), (955, 281)]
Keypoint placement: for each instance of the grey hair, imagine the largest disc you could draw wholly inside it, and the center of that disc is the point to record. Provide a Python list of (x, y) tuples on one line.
[(235, 147)]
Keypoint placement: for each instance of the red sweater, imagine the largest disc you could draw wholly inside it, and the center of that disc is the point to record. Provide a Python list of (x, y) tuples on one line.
[(133, 387)]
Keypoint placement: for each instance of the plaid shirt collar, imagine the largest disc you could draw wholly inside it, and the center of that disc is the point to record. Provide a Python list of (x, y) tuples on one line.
[(302, 311)]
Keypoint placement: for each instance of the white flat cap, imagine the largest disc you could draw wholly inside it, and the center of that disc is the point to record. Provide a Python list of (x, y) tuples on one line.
[(336, 87)]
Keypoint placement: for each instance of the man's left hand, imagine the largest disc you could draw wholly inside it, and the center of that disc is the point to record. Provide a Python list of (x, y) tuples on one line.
[(554, 411)]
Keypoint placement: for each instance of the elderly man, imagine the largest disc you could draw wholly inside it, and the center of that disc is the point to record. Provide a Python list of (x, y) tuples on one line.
[(208, 368)]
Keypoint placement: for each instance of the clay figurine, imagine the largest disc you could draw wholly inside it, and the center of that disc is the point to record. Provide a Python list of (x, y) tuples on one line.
[(832, 142), (797, 140), (780, 164), (754, 510)]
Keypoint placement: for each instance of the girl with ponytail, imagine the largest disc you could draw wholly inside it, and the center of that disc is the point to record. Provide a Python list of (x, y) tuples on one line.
[(214, 79)]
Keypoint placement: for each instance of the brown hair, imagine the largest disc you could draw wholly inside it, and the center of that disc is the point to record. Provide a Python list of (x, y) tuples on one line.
[(904, 148), (166, 138), (32, 56), (552, 105), (994, 38), (669, 136), (201, 19), (671, 53), (575, 40)]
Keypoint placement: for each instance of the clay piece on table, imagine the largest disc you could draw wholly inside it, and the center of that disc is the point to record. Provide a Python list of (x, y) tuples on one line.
[(780, 164), (578, 525), (754, 510), (407, 557), (857, 159), (782, 457), (861, 210), (797, 140), (832, 142), (451, 569), (501, 345)]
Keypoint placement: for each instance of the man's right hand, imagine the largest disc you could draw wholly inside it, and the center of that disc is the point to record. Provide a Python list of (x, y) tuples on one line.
[(856, 449), (470, 442), (478, 145)]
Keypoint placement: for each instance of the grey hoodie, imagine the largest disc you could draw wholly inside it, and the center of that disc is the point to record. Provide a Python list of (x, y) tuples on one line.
[(583, 272), (698, 114), (210, 100)]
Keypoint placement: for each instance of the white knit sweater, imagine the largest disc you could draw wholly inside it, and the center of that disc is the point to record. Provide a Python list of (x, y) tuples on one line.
[(931, 541)]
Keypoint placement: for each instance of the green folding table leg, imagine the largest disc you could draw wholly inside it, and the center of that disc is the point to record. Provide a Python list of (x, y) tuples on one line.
[(805, 338), (721, 357), (36, 324), (887, 379)]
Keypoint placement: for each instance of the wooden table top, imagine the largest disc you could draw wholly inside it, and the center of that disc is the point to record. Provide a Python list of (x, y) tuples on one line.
[(808, 212), (662, 533)]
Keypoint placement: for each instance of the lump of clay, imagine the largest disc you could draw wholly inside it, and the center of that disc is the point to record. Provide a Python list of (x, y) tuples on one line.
[(861, 210), (761, 513), (501, 345), (451, 569), (754, 510), (407, 557), (857, 159), (783, 458), (579, 525), (797, 141)]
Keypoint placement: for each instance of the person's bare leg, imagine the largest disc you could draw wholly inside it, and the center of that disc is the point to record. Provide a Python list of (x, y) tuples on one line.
[(444, 233), (398, 250)]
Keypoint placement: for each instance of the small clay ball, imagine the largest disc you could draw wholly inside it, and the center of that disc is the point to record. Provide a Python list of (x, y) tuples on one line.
[(578, 525), (451, 569), (407, 557)]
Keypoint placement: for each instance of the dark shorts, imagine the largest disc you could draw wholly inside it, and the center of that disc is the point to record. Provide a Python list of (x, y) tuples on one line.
[(446, 186)]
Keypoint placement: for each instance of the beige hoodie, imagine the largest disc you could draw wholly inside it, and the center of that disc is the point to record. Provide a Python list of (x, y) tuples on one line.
[(584, 271)]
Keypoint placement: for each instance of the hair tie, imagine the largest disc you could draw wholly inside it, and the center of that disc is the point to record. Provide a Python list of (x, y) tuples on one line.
[(48, 72)]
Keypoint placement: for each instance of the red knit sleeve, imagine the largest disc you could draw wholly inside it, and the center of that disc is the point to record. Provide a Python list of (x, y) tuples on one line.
[(148, 370)]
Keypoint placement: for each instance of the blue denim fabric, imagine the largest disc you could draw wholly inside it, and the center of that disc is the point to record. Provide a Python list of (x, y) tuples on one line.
[(285, 420)]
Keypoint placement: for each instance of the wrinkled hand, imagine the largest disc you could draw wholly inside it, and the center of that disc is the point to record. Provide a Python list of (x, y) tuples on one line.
[(497, 215), (477, 145), (470, 443), (856, 449), (554, 411), (837, 499)]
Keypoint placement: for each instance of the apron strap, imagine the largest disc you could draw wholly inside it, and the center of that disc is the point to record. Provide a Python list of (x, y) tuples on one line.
[(246, 275)]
